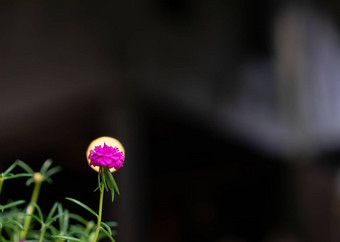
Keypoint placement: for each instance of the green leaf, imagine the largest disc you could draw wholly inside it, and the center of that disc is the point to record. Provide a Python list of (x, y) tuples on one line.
[(51, 220), (48, 179), (66, 220), (24, 166), (36, 218), (68, 238), (82, 205), (11, 176), (45, 166), (80, 233), (112, 224), (63, 220), (78, 218), (53, 171), (111, 183), (53, 209), (112, 195), (53, 229), (12, 204), (30, 181), (107, 234), (97, 189), (99, 183), (104, 180), (115, 185), (9, 169), (14, 222), (109, 179), (107, 227), (2, 239), (41, 217)]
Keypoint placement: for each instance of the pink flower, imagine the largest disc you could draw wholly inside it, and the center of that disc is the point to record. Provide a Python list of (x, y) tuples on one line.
[(106, 157)]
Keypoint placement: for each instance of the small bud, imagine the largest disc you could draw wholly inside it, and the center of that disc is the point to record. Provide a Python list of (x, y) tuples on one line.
[(37, 177)]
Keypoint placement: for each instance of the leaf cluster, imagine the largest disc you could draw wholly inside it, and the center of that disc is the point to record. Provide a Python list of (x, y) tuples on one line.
[(59, 224)]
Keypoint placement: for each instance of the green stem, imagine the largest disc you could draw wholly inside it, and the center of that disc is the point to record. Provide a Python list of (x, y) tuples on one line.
[(31, 207), (15, 236), (42, 235), (88, 229), (1, 183), (99, 212)]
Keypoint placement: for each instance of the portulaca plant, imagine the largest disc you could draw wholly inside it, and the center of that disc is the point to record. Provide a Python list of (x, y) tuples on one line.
[(25, 221)]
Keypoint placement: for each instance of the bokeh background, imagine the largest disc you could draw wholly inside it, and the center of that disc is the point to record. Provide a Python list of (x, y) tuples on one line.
[(229, 112)]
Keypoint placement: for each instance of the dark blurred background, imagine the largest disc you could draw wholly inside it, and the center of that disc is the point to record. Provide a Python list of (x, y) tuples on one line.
[(229, 112)]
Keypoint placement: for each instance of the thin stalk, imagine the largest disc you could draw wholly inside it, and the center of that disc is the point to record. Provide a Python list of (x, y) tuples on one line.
[(31, 208), (14, 236), (88, 229), (42, 235), (99, 212), (1, 183)]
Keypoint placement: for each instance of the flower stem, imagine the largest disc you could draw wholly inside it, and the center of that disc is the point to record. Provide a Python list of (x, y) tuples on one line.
[(99, 212), (31, 208)]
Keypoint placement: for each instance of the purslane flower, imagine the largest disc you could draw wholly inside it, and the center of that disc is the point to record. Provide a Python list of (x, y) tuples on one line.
[(106, 156)]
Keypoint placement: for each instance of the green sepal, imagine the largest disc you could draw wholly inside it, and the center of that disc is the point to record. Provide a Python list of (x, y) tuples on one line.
[(99, 185), (115, 185), (103, 180), (110, 182)]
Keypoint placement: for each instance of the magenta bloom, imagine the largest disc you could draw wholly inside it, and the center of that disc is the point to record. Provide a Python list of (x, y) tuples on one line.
[(106, 157)]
